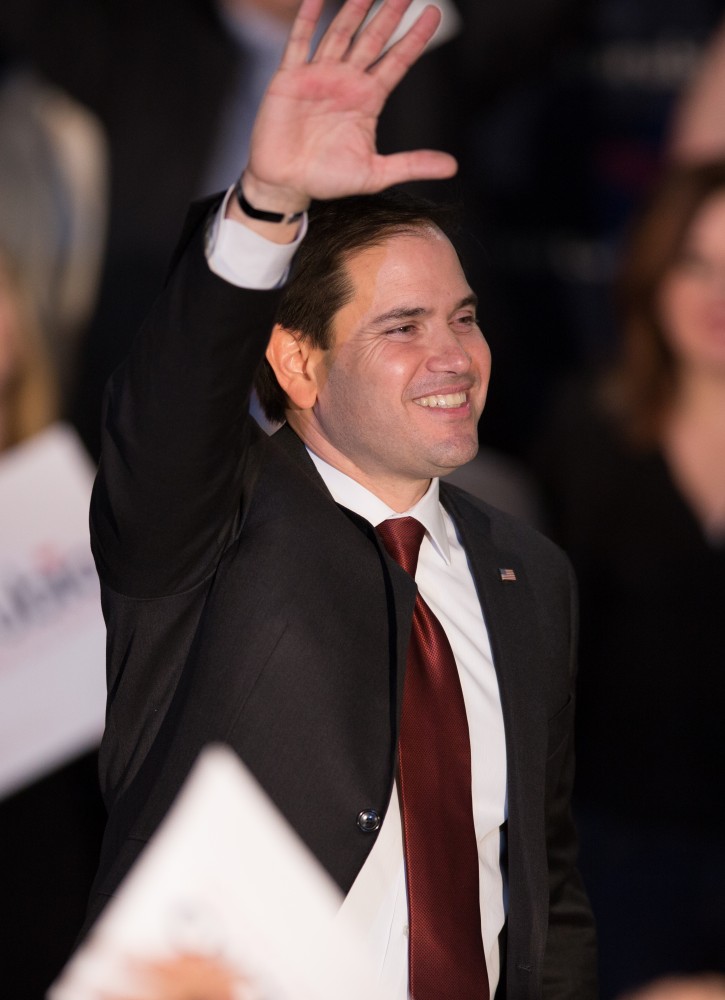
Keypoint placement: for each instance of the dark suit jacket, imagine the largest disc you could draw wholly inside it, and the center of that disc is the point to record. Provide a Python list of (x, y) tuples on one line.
[(244, 605)]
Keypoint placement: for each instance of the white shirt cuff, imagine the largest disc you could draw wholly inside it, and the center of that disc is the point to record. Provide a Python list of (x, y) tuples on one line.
[(243, 257)]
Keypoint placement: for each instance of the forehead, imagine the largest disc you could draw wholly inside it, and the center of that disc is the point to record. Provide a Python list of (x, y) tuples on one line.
[(416, 268)]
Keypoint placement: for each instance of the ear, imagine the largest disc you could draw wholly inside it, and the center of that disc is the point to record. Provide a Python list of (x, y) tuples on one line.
[(291, 356)]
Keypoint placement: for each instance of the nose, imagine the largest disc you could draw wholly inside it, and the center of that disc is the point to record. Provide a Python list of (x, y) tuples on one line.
[(448, 354)]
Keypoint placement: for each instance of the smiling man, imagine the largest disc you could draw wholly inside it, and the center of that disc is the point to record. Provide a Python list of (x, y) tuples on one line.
[(393, 659)]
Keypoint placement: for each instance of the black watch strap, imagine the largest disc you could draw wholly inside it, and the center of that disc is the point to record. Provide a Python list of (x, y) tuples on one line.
[(257, 213)]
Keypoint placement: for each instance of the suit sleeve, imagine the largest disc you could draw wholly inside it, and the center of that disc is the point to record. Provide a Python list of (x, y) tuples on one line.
[(570, 956), (176, 430), (170, 488)]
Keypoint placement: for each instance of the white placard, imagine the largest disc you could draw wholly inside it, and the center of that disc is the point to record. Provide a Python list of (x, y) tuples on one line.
[(52, 635), (225, 876)]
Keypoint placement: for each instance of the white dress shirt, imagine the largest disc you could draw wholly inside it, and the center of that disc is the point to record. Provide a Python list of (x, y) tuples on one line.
[(376, 904)]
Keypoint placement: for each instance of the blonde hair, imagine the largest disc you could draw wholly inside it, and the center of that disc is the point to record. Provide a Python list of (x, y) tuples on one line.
[(53, 176), (29, 399)]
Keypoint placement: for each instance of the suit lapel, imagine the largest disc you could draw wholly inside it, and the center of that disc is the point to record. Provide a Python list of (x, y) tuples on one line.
[(509, 609), (510, 616), (401, 589)]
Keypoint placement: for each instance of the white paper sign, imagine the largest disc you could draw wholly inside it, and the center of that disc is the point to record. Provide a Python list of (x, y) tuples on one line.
[(52, 635), (225, 876)]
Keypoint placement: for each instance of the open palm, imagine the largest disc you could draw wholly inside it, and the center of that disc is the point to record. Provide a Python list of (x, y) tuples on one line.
[(315, 133)]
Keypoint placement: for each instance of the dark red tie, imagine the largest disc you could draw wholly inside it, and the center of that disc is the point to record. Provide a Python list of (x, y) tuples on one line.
[(446, 959)]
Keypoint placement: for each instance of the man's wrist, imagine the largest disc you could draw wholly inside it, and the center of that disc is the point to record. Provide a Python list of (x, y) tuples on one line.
[(268, 198), (263, 215), (271, 198), (244, 254)]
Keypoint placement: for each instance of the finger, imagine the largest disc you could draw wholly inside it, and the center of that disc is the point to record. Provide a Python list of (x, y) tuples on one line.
[(336, 40), (373, 38), (415, 165), (297, 49), (395, 63)]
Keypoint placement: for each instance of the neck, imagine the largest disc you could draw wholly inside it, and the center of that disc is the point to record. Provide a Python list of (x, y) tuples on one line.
[(701, 396), (400, 493)]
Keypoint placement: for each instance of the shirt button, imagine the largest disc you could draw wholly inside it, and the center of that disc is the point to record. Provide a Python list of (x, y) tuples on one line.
[(368, 821)]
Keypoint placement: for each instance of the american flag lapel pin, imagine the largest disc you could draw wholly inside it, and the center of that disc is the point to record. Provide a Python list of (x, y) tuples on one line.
[(507, 575)]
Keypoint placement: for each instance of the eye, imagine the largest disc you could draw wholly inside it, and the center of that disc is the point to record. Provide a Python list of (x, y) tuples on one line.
[(404, 330), (466, 320)]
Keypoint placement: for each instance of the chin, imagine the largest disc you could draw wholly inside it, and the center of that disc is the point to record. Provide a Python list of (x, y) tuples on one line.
[(453, 458)]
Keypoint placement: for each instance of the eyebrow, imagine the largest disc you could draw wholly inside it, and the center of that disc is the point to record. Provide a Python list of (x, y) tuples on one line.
[(414, 312)]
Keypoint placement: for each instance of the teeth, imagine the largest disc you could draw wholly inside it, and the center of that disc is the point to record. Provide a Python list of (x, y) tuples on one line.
[(454, 399)]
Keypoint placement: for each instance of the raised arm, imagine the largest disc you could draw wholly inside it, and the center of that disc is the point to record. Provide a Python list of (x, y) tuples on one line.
[(176, 433)]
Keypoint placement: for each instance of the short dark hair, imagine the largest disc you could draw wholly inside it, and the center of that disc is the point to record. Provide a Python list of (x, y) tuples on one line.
[(319, 285)]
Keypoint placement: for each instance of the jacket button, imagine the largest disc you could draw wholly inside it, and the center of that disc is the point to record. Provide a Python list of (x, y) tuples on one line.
[(368, 821)]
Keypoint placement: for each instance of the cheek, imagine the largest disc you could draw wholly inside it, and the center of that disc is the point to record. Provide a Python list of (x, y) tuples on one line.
[(387, 375), (346, 396), (678, 306), (486, 358), (481, 357)]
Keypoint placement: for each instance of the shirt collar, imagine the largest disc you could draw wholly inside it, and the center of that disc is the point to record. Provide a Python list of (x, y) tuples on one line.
[(357, 498)]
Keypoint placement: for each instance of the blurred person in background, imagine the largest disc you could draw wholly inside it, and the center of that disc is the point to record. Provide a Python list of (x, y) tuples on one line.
[(565, 132), (633, 467), (52, 219), (53, 202), (28, 390)]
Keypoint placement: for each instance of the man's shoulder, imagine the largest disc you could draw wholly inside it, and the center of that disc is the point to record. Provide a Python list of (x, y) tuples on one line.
[(505, 531)]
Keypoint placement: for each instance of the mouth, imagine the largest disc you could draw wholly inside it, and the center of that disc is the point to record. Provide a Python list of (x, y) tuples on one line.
[(448, 401)]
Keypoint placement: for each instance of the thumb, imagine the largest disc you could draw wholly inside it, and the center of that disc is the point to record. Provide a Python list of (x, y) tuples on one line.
[(417, 165)]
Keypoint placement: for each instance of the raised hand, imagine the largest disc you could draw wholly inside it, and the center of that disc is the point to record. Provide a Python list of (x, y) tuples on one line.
[(315, 132)]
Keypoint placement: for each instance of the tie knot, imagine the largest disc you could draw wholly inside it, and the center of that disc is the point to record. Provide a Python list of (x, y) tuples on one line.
[(402, 536)]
